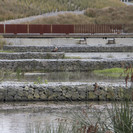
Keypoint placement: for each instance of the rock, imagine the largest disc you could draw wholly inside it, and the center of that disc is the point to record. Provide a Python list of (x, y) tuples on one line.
[(1, 96), (20, 93), (31, 91), (82, 95), (9, 98), (92, 95), (30, 97), (11, 93), (43, 97), (75, 96), (54, 96), (17, 98), (36, 96)]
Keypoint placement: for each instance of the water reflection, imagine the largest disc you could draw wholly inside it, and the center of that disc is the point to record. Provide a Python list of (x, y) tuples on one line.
[(28, 117), (60, 77)]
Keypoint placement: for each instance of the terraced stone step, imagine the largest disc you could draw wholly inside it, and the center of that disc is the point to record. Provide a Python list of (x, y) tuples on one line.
[(32, 55), (63, 64), (69, 48), (59, 92)]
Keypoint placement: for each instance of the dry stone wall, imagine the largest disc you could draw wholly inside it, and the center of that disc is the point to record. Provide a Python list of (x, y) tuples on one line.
[(62, 64), (72, 48), (61, 92), (32, 55)]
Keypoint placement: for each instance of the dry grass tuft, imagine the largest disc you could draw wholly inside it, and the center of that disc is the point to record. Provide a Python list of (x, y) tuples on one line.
[(10, 9), (107, 15), (2, 42)]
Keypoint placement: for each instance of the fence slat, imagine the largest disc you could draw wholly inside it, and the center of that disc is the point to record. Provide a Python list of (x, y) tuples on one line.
[(63, 29), (1, 28)]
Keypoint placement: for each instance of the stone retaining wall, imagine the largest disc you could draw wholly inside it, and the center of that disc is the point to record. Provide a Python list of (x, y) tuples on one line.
[(32, 55), (62, 64), (74, 48), (58, 93)]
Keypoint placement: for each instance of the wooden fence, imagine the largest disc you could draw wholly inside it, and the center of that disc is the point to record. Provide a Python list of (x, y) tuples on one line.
[(66, 29)]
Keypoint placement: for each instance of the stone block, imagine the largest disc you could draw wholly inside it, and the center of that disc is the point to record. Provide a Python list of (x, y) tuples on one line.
[(92, 96), (36, 95), (111, 94), (75, 96), (43, 97), (30, 97), (18, 98), (82, 95)]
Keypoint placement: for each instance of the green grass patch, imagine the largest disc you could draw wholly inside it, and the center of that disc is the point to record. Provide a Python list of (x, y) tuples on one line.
[(1, 51), (112, 72)]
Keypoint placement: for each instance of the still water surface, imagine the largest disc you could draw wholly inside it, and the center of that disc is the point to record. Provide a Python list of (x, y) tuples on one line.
[(26, 117)]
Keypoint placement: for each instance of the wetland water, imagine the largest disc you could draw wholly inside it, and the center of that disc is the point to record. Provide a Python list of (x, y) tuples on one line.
[(66, 76), (26, 117)]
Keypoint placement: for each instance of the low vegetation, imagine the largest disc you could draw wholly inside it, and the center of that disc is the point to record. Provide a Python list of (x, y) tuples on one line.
[(107, 15), (11, 9), (112, 72), (115, 118), (2, 42), (96, 11)]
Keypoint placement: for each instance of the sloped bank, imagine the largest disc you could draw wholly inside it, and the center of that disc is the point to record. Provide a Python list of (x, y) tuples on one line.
[(83, 92)]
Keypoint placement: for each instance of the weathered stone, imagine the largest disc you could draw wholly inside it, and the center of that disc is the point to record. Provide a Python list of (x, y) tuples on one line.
[(9, 98), (20, 93), (62, 64), (111, 94), (92, 95), (75, 92), (74, 48), (1, 96), (41, 92), (63, 98), (43, 97), (103, 95), (25, 93), (17, 98), (75, 96), (32, 55), (31, 91), (36, 91), (82, 95), (36, 95), (11, 93), (68, 94), (30, 97), (53, 96)]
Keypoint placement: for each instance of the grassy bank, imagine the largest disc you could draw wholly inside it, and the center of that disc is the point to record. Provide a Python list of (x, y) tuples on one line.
[(112, 72), (11, 9)]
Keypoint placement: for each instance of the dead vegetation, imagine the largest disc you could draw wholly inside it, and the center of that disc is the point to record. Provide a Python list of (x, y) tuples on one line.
[(107, 15), (11, 9)]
